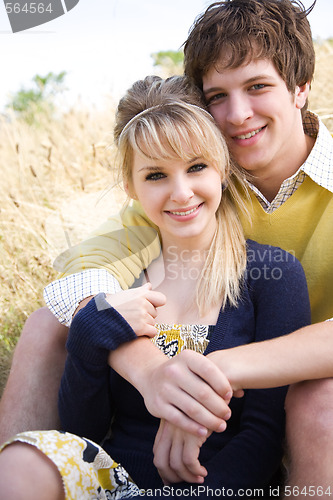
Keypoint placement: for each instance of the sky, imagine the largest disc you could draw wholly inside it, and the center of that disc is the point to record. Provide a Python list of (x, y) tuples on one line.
[(105, 45)]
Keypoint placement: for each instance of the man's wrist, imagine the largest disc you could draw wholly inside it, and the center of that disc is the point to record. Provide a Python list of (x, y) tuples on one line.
[(228, 361)]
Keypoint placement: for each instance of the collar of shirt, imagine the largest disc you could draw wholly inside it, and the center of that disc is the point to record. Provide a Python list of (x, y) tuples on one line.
[(318, 165)]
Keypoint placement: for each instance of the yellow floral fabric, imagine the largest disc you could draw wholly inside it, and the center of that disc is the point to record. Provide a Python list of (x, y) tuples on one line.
[(88, 473), (172, 339)]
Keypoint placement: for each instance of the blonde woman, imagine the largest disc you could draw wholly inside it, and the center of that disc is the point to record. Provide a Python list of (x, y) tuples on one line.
[(210, 290)]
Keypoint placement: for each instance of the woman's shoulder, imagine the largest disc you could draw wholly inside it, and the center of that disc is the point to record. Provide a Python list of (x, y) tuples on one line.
[(275, 281), (265, 261), (259, 253)]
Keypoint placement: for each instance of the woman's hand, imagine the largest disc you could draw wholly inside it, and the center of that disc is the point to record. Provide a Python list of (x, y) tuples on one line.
[(176, 455), (185, 390), (138, 306)]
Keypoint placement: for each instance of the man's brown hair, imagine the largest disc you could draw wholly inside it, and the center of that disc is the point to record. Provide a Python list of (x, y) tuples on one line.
[(233, 32)]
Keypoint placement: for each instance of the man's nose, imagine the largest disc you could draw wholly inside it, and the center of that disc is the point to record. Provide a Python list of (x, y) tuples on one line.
[(239, 109)]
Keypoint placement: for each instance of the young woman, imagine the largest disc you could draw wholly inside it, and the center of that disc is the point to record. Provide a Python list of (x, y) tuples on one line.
[(212, 290)]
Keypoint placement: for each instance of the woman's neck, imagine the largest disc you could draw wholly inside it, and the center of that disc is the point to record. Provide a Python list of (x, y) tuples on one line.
[(176, 273), (194, 249), (183, 258)]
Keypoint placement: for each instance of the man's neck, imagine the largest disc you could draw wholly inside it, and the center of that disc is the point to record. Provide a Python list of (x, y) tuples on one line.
[(270, 184)]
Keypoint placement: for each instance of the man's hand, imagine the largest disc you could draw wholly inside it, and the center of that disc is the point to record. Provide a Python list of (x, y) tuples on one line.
[(176, 455), (138, 306)]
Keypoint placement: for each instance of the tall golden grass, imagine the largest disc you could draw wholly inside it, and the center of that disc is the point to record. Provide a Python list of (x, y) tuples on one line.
[(44, 171), (321, 96), (49, 177)]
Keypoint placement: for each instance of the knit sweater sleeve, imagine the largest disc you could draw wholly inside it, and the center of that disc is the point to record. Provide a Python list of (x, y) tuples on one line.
[(85, 405), (252, 456), (97, 329)]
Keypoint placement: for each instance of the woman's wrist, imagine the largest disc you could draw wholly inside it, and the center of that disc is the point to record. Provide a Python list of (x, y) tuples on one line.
[(136, 362)]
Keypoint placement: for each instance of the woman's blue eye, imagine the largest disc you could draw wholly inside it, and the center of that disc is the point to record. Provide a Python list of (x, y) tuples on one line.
[(155, 176), (197, 167)]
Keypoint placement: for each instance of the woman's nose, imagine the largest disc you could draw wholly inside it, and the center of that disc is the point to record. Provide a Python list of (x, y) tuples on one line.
[(181, 191)]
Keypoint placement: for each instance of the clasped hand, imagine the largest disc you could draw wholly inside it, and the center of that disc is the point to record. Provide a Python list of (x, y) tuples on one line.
[(191, 396)]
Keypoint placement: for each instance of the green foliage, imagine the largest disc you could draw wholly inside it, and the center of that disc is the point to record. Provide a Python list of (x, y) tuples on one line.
[(169, 61), (31, 104)]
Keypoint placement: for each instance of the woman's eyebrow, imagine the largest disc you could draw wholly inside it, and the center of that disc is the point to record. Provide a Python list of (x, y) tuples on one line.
[(150, 168)]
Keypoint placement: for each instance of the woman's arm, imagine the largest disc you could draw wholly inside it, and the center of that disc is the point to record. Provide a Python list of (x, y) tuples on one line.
[(84, 401)]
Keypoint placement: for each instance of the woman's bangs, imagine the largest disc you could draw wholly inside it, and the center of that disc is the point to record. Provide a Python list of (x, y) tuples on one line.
[(171, 139)]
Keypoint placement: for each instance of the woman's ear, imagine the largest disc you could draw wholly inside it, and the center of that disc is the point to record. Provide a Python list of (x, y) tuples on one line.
[(130, 191), (301, 95)]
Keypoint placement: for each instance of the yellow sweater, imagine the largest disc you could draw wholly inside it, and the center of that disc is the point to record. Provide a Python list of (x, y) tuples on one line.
[(303, 226)]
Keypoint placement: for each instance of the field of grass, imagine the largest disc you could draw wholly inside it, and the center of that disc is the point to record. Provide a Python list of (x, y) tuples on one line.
[(53, 179), (52, 186)]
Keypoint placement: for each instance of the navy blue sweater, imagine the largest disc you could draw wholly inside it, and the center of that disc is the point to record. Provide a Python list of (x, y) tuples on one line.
[(274, 302)]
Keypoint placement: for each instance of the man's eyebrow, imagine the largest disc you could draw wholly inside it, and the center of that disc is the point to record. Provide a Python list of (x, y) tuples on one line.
[(246, 82), (258, 77)]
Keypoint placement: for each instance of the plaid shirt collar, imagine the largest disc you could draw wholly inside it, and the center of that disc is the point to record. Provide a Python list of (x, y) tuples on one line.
[(318, 165)]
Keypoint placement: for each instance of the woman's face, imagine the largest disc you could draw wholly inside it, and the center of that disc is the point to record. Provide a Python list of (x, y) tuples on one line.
[(180, 197)]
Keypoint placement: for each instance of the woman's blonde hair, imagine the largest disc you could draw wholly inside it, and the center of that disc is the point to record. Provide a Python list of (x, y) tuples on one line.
[(166, 119)]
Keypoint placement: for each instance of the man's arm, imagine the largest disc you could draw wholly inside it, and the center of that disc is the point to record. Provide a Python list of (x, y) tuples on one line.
[(306, 354)]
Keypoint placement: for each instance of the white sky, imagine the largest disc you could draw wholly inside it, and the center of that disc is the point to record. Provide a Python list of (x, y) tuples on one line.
[(105, 45)]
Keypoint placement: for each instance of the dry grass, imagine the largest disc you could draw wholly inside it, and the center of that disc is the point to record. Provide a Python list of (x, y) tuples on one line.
[(321, 97), (49, 178)]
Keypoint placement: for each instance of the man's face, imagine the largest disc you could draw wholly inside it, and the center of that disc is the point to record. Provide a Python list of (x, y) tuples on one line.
[(258, 116)]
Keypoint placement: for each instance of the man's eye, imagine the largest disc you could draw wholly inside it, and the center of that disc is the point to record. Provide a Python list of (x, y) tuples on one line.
[(197, 167), (258, 86), (155, 176), (215, 98)]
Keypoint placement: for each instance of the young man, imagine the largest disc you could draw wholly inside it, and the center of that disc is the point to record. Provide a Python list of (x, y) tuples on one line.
[(254, 60)]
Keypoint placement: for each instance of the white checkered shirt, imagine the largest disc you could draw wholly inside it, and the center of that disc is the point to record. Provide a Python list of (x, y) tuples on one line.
[(315, 166), (64, 295)]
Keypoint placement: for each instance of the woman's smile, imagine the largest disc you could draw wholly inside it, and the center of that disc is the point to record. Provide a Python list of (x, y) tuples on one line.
[(185, 214)]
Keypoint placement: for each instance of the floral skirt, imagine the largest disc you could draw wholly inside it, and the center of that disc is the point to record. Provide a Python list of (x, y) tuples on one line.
[(87, 471)]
